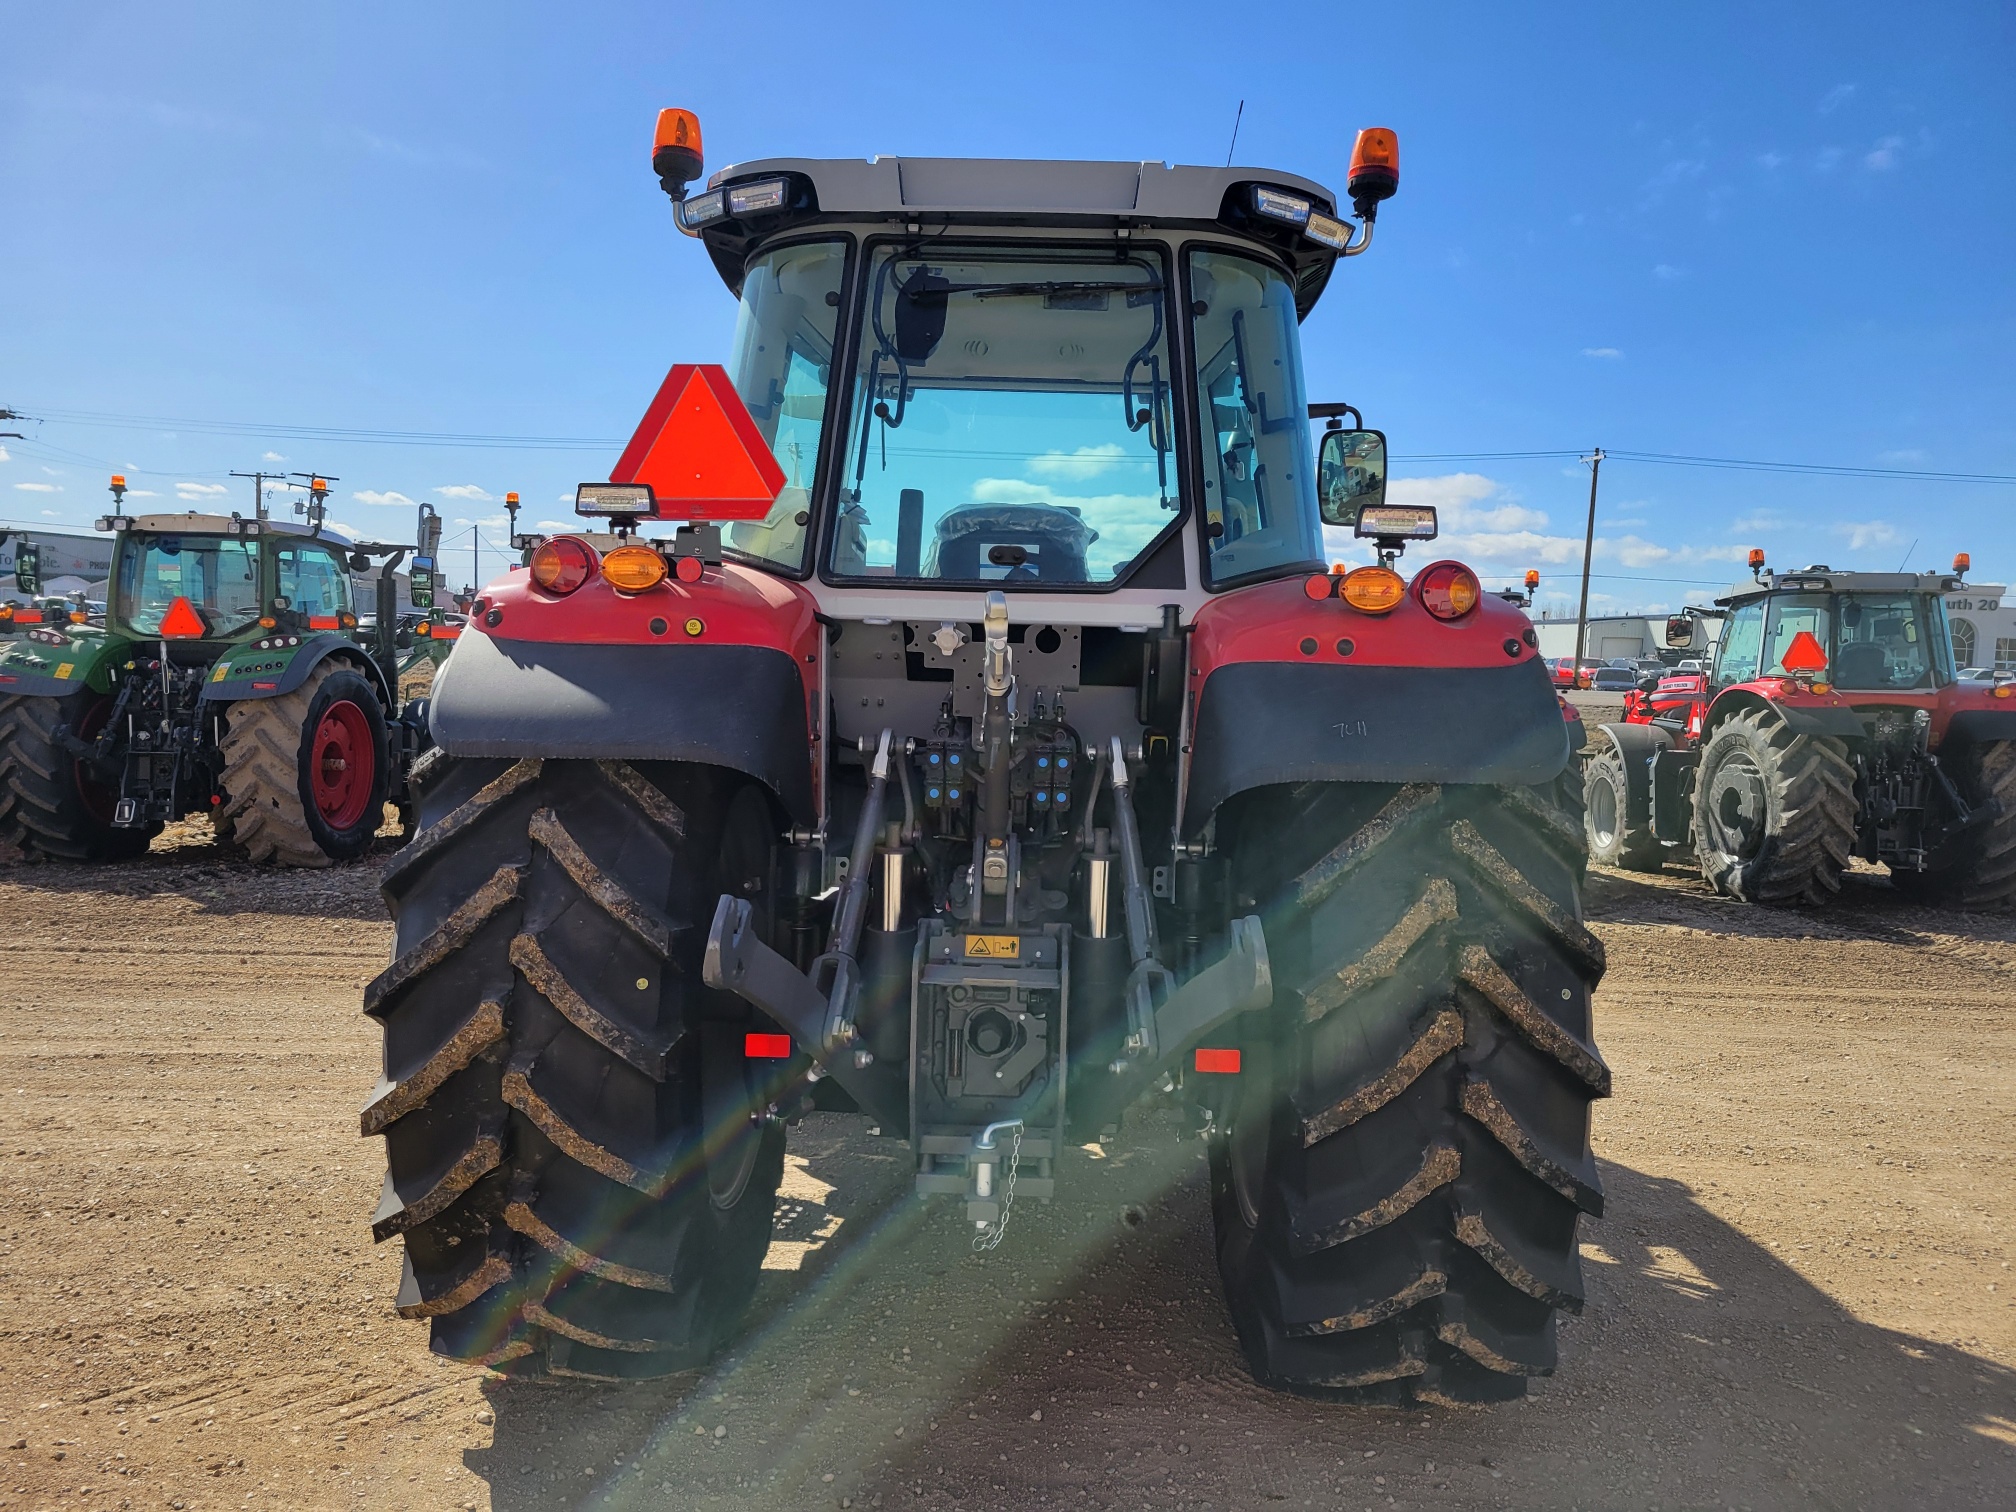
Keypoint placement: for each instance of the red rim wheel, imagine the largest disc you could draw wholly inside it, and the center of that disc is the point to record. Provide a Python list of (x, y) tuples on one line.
[(342, 765)]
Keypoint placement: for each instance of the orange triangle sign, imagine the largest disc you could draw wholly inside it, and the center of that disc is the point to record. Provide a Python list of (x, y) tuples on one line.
[(700, 450), (182, 622), (1805, 654)]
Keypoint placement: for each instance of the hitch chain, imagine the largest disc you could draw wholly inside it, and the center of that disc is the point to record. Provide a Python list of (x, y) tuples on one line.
[(989, 1236)]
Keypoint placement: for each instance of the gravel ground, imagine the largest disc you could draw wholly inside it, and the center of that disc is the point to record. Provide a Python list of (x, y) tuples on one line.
[(1801, 1296)]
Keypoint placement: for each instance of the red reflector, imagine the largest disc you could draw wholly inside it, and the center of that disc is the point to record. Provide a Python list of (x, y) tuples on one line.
[(28, 616), (324, 622), (182, 622), (447, 632), (1319, 586), (767, 1046), (689, 569), (1222, 1062), (264, 687)]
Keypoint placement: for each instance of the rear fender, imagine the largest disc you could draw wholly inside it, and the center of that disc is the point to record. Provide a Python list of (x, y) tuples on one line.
[(722, 671), (245, 672), (1801, 718), (41, 668), (1285, 688)]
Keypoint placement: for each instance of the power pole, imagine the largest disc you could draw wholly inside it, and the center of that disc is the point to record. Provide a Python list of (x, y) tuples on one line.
[(259, 482), (1595, 462)]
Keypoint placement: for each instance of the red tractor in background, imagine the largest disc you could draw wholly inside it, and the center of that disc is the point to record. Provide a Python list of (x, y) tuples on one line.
[(1830, 726), (996, 746)]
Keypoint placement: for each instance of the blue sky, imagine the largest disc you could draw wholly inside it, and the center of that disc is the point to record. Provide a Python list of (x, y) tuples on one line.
[(1754, 232)]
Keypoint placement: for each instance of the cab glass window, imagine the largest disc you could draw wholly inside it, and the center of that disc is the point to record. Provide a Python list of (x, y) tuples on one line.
[(314, 583), (782, 367), (1011, 420), (1742, 643), (218, 575), (1790, 617), (1883, 645), (1259, 484)]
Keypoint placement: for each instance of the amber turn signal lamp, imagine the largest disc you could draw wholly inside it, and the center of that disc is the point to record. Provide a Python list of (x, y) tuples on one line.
[(1373, 590), (1448, 590), (633, 569), (1375, 170), (562, 564), (675, 150)]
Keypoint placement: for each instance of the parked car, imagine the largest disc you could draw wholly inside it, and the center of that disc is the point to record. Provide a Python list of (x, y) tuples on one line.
[(1691, 665), (1614, 679)]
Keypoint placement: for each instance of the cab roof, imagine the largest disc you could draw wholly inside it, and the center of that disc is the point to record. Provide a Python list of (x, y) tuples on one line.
[(979, 192), (1827, 580), (209, 524)]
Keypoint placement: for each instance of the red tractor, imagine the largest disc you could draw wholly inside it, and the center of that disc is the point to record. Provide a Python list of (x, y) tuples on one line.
[(1830, 726), (993, 748)]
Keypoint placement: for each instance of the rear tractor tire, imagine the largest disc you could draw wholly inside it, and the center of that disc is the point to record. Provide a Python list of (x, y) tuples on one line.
[(1398, 1182), (1613, 839), (1978, 871), (579, 1156), (305, 773), (51, 805), (1774, 811)]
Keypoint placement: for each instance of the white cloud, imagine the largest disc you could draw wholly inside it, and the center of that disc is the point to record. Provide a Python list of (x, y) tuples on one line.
[(469, 491), (1601, 352), (1827, 159), (1082, 463), (141, 493), (1125, 522), (38, 488), (372, 496), (272, 457), (1460, 503), (1666, 272), (52, 514), (1883, 156), (197, 492), (1770, 160), (1760, 519), (1863, 533), (1836, 97), (3, 455), (558, 524)]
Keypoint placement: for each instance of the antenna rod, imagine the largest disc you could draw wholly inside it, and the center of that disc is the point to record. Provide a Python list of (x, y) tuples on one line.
[(1236, 119)]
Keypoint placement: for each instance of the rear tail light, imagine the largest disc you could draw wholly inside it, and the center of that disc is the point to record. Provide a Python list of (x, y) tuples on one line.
[(1448, 590), (1373, 590), (563, 564), (766, 1046), (632, 569), (1218, 1062)]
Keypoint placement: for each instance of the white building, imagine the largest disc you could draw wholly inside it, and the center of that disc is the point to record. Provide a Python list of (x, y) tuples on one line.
[(1983, 622)]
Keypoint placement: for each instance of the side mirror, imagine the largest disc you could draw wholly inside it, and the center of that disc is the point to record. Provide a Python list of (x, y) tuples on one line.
[(1680, 631), (1648, 684), (1350, 474), (28, 568), (359, 562)]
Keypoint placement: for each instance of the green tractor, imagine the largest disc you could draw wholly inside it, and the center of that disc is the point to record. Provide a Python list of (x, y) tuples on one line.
[(230, 675)]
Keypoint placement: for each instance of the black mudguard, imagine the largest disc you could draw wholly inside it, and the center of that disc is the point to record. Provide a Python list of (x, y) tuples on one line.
[(307, 657), (1979, 726), (1260, 723), (1842, 724), (741, 707)]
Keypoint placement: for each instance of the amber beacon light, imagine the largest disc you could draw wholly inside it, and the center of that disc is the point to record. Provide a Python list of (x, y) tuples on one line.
[(675, 151), (1375, 170)]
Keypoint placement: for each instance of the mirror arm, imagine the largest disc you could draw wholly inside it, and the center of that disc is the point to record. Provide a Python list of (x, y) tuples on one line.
[(1364, 240)]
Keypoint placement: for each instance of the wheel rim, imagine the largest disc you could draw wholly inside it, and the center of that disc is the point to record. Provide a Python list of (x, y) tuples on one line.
[(342, 765), (1735, 809), (1603, 808)]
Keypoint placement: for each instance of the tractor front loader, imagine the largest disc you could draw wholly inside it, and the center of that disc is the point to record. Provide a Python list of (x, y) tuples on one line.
[(994, 746), (229, 676)]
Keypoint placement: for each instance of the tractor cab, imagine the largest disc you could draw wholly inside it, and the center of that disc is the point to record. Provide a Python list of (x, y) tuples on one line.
[(1879, 633), (210, 578)]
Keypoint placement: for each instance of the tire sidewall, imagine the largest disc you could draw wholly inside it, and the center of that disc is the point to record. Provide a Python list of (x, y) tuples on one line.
[(1748, 735), (1605, 773), (343, 685)]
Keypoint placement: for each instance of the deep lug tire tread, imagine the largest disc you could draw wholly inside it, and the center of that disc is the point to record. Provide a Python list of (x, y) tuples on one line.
[(1423, 1098), (41, 812), (263, 811), (1811, 813), (535, 899)]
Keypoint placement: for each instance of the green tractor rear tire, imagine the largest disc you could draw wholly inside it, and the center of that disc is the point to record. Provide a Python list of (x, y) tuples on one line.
[(305, 774), (1774, 811), (50, 804), (1398, 1186), (579, 1156)]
